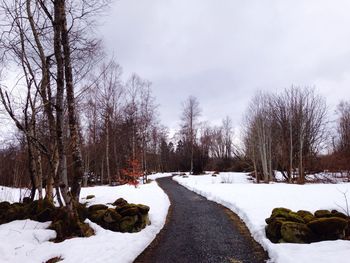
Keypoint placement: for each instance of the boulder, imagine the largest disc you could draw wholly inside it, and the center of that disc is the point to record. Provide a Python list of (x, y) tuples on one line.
[(128, 210), (293, 232), (26, 200), (127, 224), (330, 228), (4, 206), (143, 209), (111, 216), (281, 213), (306, 215), (281, 209), (336, 213), (120, 202), (323, 213), (94, 208), (273, 230)]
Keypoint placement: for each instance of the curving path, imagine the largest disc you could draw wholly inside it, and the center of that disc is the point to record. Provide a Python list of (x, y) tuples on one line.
[(198, 230)]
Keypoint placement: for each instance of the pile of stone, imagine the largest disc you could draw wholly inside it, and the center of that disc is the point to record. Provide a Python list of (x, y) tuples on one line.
[(286, 226), (41, 211), (124, 217)]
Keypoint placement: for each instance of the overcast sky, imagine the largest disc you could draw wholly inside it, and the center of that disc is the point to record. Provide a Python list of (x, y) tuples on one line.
[(223, 51)]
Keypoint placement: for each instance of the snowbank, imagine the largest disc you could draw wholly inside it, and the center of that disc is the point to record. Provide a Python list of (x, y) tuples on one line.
[(254, 202), (27, 241)]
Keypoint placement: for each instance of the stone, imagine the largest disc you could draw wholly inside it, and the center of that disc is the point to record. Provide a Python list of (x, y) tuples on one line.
[(89, 197), (111, 216), (289, 216), (97, 207), (127, 224), (323, 213), (120, 202), (273, 230), (26, 200), (281, 209), (293, 232), (4, 206), (336, 213), (129, 211), (144, 209), (330, 228)]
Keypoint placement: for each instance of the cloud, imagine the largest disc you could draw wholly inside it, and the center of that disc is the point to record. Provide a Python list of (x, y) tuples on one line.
[(223, 51)]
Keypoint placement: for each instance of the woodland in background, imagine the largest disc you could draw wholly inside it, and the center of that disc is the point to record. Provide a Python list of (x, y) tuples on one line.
[(79, 123)]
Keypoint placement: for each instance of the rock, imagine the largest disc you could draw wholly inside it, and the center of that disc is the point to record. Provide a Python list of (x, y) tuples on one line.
[(273, 230), (293, 232), (330, 228), (281, 209), (322, 213), (130, 210), (37, 206), (144, 209), (127, 224), (282, 213), (306, 215), (89, 197), (97, 207), (336, 213), (26, 200), (145, 220), (4, 206), (44, 215), (111, 216), (15, 212), (120, 202), (97, 216)]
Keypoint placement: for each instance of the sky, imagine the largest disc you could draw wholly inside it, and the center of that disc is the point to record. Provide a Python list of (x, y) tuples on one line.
[(224, 51)]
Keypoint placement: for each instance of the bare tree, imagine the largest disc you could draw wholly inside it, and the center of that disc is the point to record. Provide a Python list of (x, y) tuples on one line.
[(190, 114)]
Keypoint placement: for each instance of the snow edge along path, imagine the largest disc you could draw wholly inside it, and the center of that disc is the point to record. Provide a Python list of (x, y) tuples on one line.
[(237, 197), (22, 243)]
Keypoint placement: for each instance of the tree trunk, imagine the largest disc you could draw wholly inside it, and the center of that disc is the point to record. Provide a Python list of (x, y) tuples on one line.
[(72, 114)]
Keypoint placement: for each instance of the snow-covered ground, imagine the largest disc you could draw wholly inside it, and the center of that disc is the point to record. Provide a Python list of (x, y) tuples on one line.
[(254, 202), (28, 241)]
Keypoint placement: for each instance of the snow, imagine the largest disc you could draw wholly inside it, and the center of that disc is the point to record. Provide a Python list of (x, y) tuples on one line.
[(254, 202), (28, 241)]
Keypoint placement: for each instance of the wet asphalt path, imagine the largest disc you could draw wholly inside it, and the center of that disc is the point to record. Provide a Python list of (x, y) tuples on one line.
[(198, 230)]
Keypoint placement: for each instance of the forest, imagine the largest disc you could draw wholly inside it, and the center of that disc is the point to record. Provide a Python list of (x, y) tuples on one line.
[(79, 123)]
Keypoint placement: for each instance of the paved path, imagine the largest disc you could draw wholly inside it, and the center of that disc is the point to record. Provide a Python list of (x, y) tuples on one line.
[(198, 230)]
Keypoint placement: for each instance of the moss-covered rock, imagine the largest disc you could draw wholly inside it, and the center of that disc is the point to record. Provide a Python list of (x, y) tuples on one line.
[(280, 209), (97, 207), (323, 213), (273, 230), (111, 216), (304, 213), (330, 228), (283, 213), (4, 206), (26, 200), (336, 213), (128, 210), (120, 202), (127, 224), (144, 209), (293, 232), (97, 216)]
